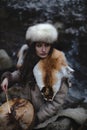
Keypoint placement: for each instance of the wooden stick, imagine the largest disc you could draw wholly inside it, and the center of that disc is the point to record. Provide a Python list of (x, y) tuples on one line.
[(7, 102)]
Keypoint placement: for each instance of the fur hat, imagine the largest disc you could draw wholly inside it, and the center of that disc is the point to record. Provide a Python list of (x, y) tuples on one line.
[(43, 32)]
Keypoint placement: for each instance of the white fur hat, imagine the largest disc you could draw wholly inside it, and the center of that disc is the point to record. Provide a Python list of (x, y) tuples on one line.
[(43, 32)]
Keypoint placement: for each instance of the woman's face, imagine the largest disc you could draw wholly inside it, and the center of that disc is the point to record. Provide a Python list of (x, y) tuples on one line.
[(42, 49)]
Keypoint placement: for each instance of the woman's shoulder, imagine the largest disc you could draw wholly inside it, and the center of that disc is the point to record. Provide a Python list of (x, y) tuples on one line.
[(57, 53), (60, 57)]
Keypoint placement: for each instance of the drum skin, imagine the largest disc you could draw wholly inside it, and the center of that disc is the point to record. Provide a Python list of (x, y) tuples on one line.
[(21, 116)]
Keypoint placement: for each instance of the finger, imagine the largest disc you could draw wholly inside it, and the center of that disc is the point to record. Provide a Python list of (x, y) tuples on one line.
[(5, 88)]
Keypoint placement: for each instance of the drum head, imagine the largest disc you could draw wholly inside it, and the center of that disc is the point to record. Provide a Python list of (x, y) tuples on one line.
[(21, 116)]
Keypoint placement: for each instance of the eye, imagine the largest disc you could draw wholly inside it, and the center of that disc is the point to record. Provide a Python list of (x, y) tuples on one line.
[(47, 45), (38, 44)]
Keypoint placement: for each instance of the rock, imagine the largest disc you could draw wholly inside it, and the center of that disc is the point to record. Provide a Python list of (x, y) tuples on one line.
[(5, 60)]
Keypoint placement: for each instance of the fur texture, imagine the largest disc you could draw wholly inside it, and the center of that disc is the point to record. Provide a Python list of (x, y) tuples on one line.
[(21, 55), (21, 116), (77, 114), (49, 73), (43, 32)]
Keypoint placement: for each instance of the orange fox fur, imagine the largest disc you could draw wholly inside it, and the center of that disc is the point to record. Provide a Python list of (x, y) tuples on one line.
[(50, 66)]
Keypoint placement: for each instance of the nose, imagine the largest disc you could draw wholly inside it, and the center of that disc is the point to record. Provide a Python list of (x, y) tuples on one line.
[(43, 48)]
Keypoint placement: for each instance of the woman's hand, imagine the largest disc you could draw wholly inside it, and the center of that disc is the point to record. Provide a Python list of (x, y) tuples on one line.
[(4, 84)]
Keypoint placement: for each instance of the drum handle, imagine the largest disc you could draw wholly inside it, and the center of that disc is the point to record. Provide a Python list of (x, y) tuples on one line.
[(6, 93)]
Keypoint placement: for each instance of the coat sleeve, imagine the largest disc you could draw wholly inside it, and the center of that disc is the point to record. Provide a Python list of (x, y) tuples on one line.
[(12, 77), (50, 108)]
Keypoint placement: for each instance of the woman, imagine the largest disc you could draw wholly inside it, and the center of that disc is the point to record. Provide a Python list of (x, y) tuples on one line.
[(44, 72)]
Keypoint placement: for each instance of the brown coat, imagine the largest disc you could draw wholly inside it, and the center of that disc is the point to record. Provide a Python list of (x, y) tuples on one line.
[(46, 111)]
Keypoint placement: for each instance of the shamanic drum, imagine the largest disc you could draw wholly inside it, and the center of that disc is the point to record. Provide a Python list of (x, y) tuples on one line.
[(21, 116)]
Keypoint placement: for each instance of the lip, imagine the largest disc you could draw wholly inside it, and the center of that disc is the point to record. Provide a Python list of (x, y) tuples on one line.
[(43, 54)]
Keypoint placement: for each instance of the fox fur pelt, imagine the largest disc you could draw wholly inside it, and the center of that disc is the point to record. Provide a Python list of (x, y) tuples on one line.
[(50, 71)]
